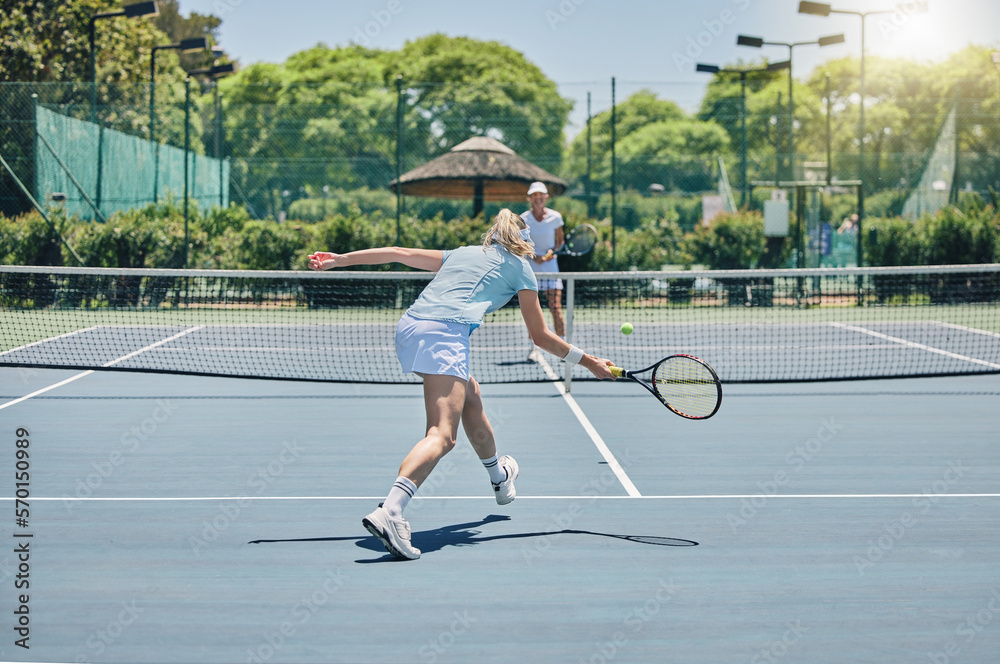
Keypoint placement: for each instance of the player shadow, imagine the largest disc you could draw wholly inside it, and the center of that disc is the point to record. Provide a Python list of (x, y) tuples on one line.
[(468, 534)]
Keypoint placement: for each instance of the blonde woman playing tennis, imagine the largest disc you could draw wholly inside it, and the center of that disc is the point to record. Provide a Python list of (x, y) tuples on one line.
[(432, 341)]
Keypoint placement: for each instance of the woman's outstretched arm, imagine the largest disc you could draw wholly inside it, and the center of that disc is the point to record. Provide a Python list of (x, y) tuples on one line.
[(421, 259)]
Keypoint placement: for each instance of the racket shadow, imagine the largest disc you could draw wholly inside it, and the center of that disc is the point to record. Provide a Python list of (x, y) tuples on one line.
[(469, 534)]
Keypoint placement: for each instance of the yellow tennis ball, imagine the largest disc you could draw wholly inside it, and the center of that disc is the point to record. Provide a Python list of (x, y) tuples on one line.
[(627, 328)]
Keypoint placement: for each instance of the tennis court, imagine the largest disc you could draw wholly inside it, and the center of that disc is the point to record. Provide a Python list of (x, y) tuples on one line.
[(181, 518)]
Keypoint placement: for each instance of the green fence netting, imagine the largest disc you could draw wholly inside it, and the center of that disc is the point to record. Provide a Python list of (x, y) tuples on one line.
[(117, 171)]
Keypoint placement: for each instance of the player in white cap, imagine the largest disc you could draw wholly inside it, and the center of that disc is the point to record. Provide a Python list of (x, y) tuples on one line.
[(546, 226)]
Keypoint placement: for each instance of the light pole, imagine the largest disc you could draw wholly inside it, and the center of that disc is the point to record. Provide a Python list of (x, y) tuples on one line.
[(820, 9), (184, 46), (714, 69), (758, 42), (137, 10), (214, 73), (996, 63)]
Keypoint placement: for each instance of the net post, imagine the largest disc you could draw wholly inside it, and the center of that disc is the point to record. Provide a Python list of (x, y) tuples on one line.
[(187, 155), (570, 298)]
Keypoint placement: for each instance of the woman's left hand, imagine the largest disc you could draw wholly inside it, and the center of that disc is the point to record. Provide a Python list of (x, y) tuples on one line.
[(325, 260)]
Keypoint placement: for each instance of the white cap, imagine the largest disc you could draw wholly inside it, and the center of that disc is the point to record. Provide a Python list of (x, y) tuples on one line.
[(536, 187)]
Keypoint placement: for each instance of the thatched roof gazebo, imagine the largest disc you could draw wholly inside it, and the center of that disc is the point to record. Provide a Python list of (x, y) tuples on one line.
[(481, 168)]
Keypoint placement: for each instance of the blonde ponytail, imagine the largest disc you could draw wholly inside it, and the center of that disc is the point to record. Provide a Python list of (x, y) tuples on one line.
[(506, 231)]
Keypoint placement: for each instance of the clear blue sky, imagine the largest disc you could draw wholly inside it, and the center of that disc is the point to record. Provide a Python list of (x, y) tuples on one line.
[(581, 44)]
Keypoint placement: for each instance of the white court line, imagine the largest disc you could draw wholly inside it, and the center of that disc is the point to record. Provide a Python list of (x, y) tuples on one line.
[(45, 341), (913, 344), (46, 389), (587, 426), (90, 371), (968, 329), (793, 496)]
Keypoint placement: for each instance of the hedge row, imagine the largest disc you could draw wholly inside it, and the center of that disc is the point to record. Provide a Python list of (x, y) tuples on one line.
[(230, 239)]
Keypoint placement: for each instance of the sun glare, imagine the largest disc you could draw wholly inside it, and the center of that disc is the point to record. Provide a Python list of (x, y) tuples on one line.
[(908, 34)]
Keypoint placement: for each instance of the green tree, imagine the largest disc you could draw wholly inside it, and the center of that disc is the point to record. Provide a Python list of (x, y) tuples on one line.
[(327, 116), (656, 143)]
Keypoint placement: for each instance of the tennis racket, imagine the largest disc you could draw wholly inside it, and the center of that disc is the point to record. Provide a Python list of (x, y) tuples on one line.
[(683, 383), (581, 240)]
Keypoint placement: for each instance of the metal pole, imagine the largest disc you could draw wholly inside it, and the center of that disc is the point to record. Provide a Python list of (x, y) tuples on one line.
[(218, 145), (955, 186), (829, 134), (777, 143), (187, 148), (570, 305), (34, 142), (399, 157), (591, 208), (152, 126), (93, 69), (861, 189), (791, 119), (743, 152), (614, 178)]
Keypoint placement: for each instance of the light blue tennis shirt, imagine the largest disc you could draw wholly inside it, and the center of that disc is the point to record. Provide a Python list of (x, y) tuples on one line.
[(472, 283)]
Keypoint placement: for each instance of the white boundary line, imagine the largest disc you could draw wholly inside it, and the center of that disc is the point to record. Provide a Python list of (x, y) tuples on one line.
[(46, 389), (913, 344), (968, 329), (43, 341), (90, 371), (587, 426), (803, 496)]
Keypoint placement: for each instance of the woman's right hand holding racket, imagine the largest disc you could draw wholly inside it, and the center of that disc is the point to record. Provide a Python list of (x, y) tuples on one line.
[(599, 366)]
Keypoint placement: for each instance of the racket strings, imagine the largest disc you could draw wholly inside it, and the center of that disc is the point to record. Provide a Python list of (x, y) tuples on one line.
[(580, 241), (687, 386)]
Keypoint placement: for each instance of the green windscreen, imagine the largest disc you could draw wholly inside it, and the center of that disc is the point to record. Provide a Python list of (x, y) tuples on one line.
[(117, 171)]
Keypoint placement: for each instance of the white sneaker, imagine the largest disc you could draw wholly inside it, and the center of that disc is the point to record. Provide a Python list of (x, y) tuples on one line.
[(504, 491), (393, 533)]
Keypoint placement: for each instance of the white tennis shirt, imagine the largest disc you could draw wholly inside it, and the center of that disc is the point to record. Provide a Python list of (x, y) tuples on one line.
[(543, 234), (473, 282)]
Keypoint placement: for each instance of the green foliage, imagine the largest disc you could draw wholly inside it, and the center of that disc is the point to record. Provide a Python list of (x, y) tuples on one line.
[(152, 236), (892, 241), (342, 103), (29, 240), (656, 143), (950, 237), (954, 237), (260, 245), (732, 242)]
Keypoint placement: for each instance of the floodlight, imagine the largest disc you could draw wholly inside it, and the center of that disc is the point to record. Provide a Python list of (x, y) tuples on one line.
[(755, 42), (141, 9), (779, 66), (193, 45), (814, 8), (709, 69), (831, 40)]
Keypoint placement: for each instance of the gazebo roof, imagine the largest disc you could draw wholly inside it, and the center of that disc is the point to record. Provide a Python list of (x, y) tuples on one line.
[(479, 163)]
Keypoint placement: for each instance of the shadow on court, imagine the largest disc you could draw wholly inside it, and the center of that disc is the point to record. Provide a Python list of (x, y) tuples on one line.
[(468, 534)]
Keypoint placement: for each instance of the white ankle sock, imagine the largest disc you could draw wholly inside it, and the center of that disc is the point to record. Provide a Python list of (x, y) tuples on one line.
[(497, 473), (399, 496)]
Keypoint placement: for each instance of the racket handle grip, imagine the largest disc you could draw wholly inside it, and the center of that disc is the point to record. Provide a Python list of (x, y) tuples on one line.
[(617, 372)]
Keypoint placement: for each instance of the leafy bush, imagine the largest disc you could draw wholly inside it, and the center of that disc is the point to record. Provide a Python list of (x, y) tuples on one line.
[(733, 241)]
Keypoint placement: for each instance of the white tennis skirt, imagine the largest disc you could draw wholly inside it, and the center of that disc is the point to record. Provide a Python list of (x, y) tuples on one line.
[(548, 284), (433, 346)]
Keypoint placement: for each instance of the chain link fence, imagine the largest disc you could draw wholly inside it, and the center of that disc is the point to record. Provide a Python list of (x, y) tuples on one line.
[(311, 150)]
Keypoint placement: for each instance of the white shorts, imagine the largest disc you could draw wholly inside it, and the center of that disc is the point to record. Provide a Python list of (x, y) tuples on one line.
[(433, 347), (549, 284)]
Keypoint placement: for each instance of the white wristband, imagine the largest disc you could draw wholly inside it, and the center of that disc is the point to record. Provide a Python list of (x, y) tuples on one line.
[(574, 355)]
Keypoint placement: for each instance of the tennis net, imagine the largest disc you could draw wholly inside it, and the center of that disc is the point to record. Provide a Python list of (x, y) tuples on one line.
[(750, 325)]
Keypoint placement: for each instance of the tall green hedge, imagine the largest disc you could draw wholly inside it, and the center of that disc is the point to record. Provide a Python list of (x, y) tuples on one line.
[(229, 239)]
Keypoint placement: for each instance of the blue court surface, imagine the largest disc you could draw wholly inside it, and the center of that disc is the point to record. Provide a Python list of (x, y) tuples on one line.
[(185, 519)]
